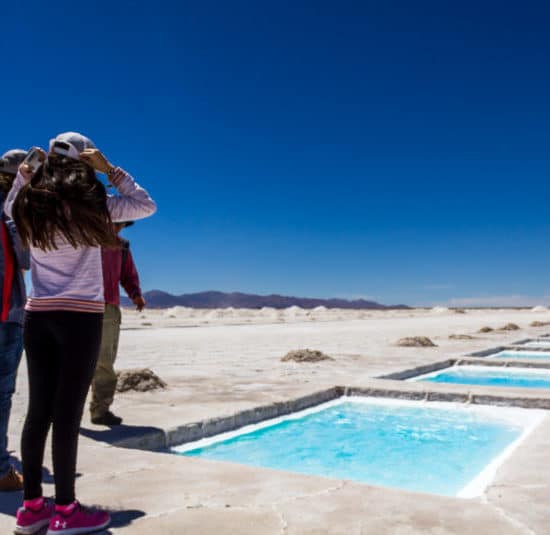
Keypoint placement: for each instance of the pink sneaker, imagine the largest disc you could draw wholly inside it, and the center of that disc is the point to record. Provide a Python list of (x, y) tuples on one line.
[(81, 520), (29, 521)]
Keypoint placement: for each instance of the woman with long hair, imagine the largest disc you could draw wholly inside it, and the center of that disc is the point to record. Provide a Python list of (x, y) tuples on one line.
[(64, 214)]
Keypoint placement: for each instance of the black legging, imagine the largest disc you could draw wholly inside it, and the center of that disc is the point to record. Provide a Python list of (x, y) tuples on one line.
[(62, 349)]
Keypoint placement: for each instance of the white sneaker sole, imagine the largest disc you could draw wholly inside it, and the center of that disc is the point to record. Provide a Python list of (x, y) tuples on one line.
[(33, 528), (78, 531)]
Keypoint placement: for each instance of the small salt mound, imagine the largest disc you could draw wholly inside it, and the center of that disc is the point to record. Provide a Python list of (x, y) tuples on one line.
[(305, 355), (486, 329), (461, 337), (539, 309), (540, 323), (176, 311), (415, 341), (320, 309), (294, 311), (269, 313), (510, 327), (440, 310), (218, 313), (139, 380)]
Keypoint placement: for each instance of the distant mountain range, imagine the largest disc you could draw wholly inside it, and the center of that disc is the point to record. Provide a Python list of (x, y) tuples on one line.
[(160, 299)]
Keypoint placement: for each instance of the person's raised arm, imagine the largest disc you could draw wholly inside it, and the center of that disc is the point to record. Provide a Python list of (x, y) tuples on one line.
[(133, 202), (22, 179)]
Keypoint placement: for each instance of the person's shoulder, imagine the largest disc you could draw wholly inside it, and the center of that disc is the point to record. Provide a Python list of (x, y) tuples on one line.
[(124, 244)]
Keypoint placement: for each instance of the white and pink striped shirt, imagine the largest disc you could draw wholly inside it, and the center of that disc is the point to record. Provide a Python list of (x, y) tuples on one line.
[(72, 279)]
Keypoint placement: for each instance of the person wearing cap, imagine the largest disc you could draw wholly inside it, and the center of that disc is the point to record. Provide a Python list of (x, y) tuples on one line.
[(64, 213), (118, 269), (13, 259)]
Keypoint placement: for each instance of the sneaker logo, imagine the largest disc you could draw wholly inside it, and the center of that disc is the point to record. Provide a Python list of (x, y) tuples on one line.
[(59, 524)]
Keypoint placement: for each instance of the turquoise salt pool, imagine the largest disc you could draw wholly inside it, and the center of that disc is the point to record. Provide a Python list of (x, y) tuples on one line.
[(490, 376), (515, 355), (439, 448)]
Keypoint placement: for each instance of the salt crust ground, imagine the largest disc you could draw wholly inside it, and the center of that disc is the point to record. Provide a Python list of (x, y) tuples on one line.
[(220, 362)]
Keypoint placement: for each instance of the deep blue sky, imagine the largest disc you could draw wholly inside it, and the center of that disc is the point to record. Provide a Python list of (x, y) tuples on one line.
[(396, 150)]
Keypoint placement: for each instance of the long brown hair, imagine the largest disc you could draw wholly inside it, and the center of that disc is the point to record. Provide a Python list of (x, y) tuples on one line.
[(6, 181), (64, 199)]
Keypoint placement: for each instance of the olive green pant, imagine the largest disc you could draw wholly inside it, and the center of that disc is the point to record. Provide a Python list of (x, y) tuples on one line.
[(104, 381)]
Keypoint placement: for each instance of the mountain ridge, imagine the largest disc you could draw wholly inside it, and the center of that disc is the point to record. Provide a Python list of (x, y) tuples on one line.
[(216, 299)]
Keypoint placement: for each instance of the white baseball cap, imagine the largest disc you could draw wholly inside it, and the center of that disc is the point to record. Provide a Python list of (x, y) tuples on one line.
[(70, 144)]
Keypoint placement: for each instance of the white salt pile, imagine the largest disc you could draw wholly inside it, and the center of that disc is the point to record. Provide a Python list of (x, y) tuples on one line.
[(294, 311)]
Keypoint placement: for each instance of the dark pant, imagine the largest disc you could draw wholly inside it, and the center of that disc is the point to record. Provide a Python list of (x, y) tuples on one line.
[(11, 347), (62, 349)]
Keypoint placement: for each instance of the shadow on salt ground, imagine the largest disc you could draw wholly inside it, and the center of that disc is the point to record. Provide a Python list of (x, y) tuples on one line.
[(10, 501), (122, 518), (119, 434), (47, 476)]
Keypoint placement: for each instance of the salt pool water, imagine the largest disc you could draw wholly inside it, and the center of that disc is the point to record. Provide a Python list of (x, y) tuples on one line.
[(490, 376), (537, 343), (439, 448), (534, 355)]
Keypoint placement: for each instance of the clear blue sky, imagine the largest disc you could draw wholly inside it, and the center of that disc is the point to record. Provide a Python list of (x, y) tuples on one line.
[(392, 149)]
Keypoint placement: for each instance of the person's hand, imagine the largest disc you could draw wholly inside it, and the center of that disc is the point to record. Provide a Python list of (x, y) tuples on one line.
[(26, 170), (139, 302), (95, 158)]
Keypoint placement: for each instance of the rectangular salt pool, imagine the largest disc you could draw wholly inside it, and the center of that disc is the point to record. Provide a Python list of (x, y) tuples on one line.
[(518, 355), (489, 376), (537, 343), (439, 448)]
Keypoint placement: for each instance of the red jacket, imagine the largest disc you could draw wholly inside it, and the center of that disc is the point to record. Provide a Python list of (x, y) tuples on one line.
[(116, 272)]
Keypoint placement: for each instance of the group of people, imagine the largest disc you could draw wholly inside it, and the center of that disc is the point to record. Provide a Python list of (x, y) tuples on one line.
[(59, 222)]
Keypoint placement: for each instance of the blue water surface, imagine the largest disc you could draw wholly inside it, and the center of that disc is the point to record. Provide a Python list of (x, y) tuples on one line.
[(491, 376), (425, 449), (535, 355)]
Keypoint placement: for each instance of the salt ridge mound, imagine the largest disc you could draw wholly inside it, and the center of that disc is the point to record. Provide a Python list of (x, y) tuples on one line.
[(415, 341), (539, 308), (510, 327), (138, 380), (294, 311), (305, 355), (177, 311), (218, 313), (440, 310)]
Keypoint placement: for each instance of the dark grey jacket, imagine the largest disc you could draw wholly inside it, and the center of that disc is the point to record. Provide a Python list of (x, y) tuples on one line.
[(22, 261)]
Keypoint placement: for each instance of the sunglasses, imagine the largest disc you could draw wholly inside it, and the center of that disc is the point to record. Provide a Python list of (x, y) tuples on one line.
[(64, 149)]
